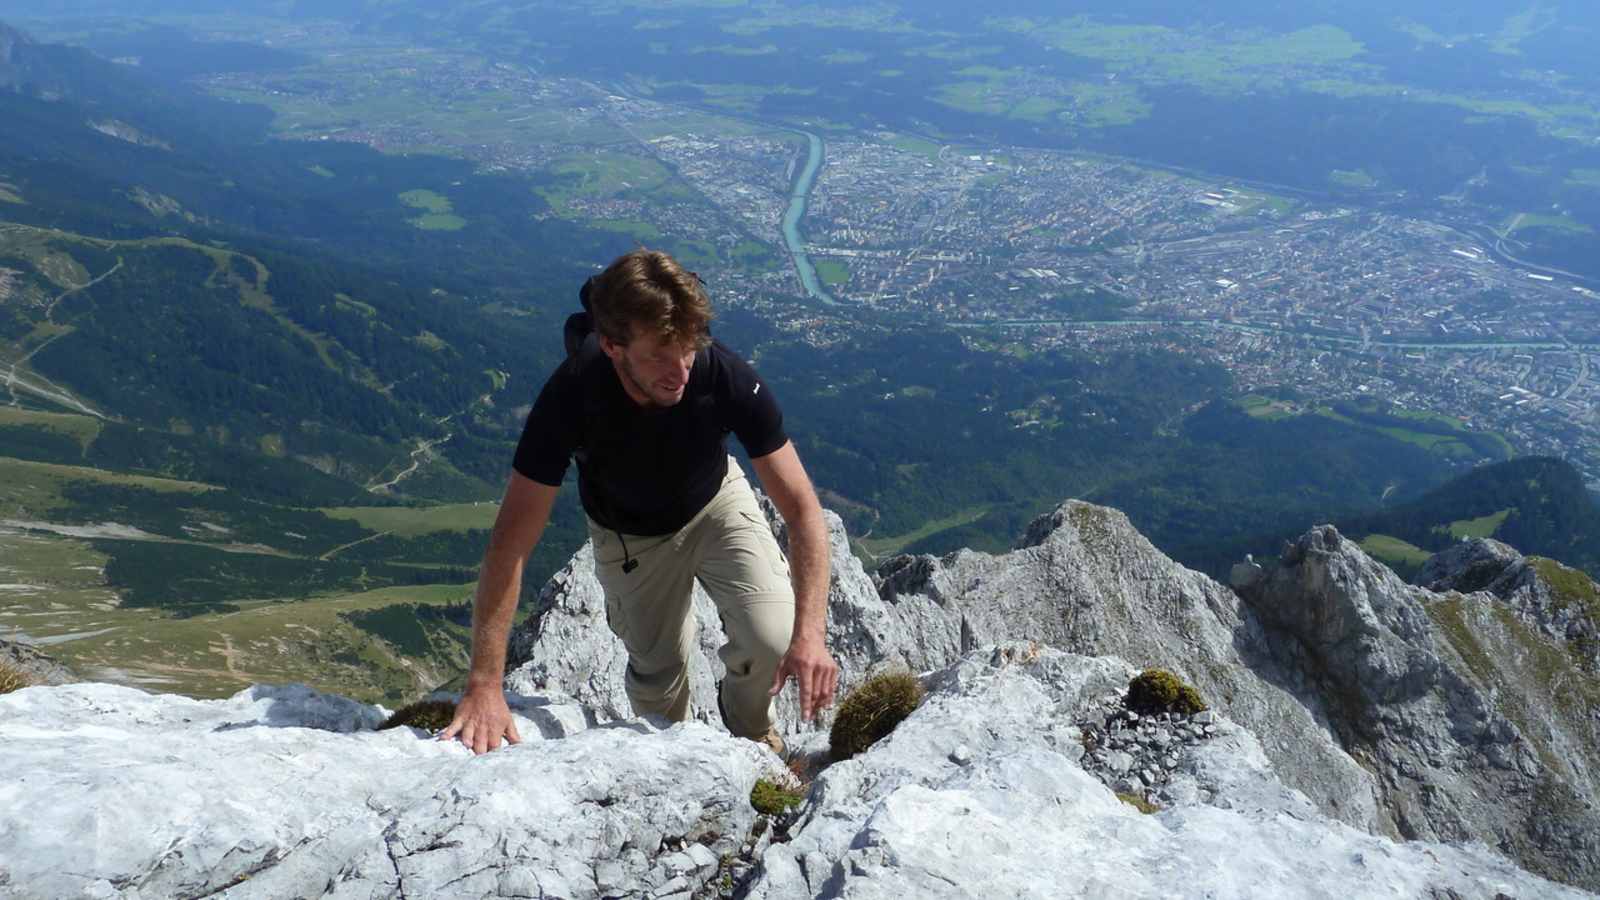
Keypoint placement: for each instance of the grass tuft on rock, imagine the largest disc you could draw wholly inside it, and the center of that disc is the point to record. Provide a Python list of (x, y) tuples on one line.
[(12, 679), (1138, 802), (771, 799), (871, 711), (1159, 691), (429, 715), (1570, 587)]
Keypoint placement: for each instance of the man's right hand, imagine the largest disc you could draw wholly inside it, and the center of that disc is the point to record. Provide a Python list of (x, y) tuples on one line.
[(482, 718)]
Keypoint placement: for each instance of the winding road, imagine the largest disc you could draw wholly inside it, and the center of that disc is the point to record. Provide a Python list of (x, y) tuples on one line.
[(417, 455), (40, 386)]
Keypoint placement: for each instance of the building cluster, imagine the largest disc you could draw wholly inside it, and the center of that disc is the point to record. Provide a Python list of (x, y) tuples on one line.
[(1054, 249)]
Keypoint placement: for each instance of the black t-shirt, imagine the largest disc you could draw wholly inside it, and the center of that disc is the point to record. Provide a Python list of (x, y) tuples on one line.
[(646, 471)]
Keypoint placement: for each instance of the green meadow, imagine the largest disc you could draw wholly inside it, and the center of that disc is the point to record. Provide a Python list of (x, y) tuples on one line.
[(437, 213)]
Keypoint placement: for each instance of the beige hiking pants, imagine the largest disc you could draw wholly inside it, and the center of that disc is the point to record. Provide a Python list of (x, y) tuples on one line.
[(730, 548)]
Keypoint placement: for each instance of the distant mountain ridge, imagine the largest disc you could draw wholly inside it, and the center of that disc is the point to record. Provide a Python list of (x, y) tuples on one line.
[(1539, 505)]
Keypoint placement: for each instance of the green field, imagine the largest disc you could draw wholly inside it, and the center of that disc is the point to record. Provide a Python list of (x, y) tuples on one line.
[(1520, 27), (53, 590), (956, 51), (917, 145), (832, 272), (881, 547), (737, 50), (756, 256), (1268, 408), (1481, 527), (1097, 105), (54, 587), (1451, 446), (438, 214), (1000, 92), (1426, 35), (1576, 121), (600, 175), (1394, 551), (1562, 224), (9, 194), (350, 86), (1257, 201), (741, 99), (879, 19), (639, 228), (1035, 109), (1442, 444), (1207, 59), (845, 57), (311, 642), (83, 429), (411, 521), (34, 488), (1352, 178)]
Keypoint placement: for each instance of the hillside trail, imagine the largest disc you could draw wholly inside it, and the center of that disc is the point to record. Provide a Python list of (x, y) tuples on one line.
[(32, 382), (423, 447)]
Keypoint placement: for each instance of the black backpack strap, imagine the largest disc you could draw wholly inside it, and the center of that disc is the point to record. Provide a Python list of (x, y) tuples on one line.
[(580, 324), (575, 332)]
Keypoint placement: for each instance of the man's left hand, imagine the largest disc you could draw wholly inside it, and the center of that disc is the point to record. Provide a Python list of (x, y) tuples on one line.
[(815, 673)]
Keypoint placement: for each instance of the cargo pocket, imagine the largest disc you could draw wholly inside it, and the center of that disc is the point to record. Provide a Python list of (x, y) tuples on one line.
[(614, 619), (770, 549)]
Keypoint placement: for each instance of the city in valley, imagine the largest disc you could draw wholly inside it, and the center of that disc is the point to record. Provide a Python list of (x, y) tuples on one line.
[(1420, 301)]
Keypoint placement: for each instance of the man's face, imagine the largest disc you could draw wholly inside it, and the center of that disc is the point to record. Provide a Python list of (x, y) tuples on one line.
[(654, 371)]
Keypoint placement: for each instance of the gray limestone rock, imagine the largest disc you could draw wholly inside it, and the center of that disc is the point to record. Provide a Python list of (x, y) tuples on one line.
[(283, 792), (1022, 820), (1360, 697), (1562, 602), (1477, 720), (35, 664), (1468, 566), (1085, 580)]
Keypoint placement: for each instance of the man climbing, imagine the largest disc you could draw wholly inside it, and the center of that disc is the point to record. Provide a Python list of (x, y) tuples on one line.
[(644, 403)]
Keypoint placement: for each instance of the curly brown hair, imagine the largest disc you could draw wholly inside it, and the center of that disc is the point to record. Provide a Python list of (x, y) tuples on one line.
[(647, 292)]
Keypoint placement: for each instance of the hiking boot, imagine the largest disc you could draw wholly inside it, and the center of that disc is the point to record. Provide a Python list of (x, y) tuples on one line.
[(771, 739)]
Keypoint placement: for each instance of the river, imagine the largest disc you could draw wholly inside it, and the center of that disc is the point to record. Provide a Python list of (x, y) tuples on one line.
[(796, 212)]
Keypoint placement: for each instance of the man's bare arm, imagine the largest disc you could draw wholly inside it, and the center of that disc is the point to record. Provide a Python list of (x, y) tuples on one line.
[(482, 717), (815, 672)]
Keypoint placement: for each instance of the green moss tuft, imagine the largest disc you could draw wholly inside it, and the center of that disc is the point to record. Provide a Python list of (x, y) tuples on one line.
[(1138, 802), (12, 679), (429, 715), (770, 799), (1157, 691), (871, 711)]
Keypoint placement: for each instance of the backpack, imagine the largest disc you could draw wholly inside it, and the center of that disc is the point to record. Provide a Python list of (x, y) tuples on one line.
[(580, 325)]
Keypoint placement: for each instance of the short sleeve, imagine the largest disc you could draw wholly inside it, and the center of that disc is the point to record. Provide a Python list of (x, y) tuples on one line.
[(751, 411), (550, 434)]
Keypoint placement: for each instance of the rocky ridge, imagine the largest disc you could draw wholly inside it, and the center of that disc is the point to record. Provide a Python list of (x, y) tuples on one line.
[(1476, 724), (1331, 661), (1560, 601), (283, 792), (1325, 674)]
